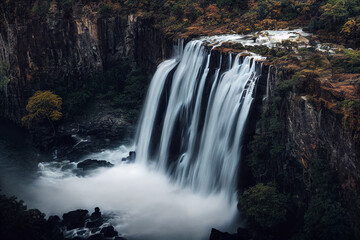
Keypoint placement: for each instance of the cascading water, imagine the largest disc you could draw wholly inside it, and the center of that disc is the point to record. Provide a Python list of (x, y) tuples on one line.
[(196, 136), (191, 130)]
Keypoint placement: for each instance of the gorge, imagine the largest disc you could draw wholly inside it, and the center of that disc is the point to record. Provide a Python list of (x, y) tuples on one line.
[(271, 112)]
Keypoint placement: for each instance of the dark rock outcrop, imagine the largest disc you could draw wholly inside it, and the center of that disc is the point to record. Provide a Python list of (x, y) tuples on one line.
[(130, 158), (109, 231), (96, 227), (75, 219), (315, 130), (90, 164), (66, 46)]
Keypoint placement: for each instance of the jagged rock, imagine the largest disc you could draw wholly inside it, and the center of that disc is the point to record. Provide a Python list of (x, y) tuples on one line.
[(109, 231), (75, 219), (95, 219), (96, 214), (130, 158), (91, 164), (94, 224)]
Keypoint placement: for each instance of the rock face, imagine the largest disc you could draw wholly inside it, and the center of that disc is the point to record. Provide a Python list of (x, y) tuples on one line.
[(316, 130), (39, 50), (75, 219)]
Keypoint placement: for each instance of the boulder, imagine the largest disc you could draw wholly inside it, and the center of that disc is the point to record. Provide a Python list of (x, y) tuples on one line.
[(131, 157), (96, 215), (75, 219), (95, 219), (91, 164), (109, 232)]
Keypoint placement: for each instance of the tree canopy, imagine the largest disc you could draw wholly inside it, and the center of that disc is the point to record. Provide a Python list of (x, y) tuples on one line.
[(43, 105), (264, 205)]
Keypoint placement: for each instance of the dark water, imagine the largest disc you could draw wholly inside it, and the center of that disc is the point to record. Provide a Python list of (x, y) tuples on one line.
[(18, 159)]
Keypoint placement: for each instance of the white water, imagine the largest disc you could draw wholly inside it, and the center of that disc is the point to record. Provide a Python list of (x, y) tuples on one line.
[(188, 153), (201, 131), (145, 204), (269, 38)]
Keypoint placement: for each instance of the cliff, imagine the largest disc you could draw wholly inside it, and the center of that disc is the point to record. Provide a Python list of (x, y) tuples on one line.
[(44, 46), (318, 126)]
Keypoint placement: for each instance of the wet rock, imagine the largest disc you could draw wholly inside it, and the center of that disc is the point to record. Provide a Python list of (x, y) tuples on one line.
[(95, 219), (96, 215), (94, 224), (130, 158), (91, 164), (75, 219), (109, 231)]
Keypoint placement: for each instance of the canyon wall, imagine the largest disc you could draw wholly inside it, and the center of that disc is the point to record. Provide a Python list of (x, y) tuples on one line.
[(315, 130), (40, 49)]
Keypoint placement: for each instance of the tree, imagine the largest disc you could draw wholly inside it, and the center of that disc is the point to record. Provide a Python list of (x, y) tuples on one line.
[(326, 219), (351, 30), (43, 105), (264, 205)]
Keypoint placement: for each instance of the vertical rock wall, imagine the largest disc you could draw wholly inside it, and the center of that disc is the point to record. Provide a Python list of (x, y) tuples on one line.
[(66, 46), (315, 130)]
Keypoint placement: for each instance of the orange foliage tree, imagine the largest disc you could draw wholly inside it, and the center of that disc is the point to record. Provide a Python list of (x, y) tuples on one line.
[(43, 105)]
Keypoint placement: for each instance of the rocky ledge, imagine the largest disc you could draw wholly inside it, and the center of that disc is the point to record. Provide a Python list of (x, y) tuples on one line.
[(79, 225)]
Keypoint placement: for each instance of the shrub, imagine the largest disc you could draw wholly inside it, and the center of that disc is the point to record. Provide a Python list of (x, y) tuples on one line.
[(41, 8), (326, 219), (264, 205), (106, 10)]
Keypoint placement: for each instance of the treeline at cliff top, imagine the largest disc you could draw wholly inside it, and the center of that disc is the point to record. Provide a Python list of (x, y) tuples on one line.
[(333, 20)]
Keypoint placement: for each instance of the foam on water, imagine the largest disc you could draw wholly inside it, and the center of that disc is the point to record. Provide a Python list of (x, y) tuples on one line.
[(145, 203)]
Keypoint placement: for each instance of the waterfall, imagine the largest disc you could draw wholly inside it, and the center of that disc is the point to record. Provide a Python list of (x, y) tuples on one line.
[(194, 117)]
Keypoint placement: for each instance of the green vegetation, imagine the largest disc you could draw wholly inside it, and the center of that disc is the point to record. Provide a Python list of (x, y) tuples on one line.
[(348, 62), (41, 8), (325, 217), (268, 146), (43, 105), (106, 10), (264, 205), (319, 205), (66, 4)]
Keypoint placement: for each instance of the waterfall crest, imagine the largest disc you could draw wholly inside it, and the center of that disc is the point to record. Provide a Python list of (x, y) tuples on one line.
[(194, 117)]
